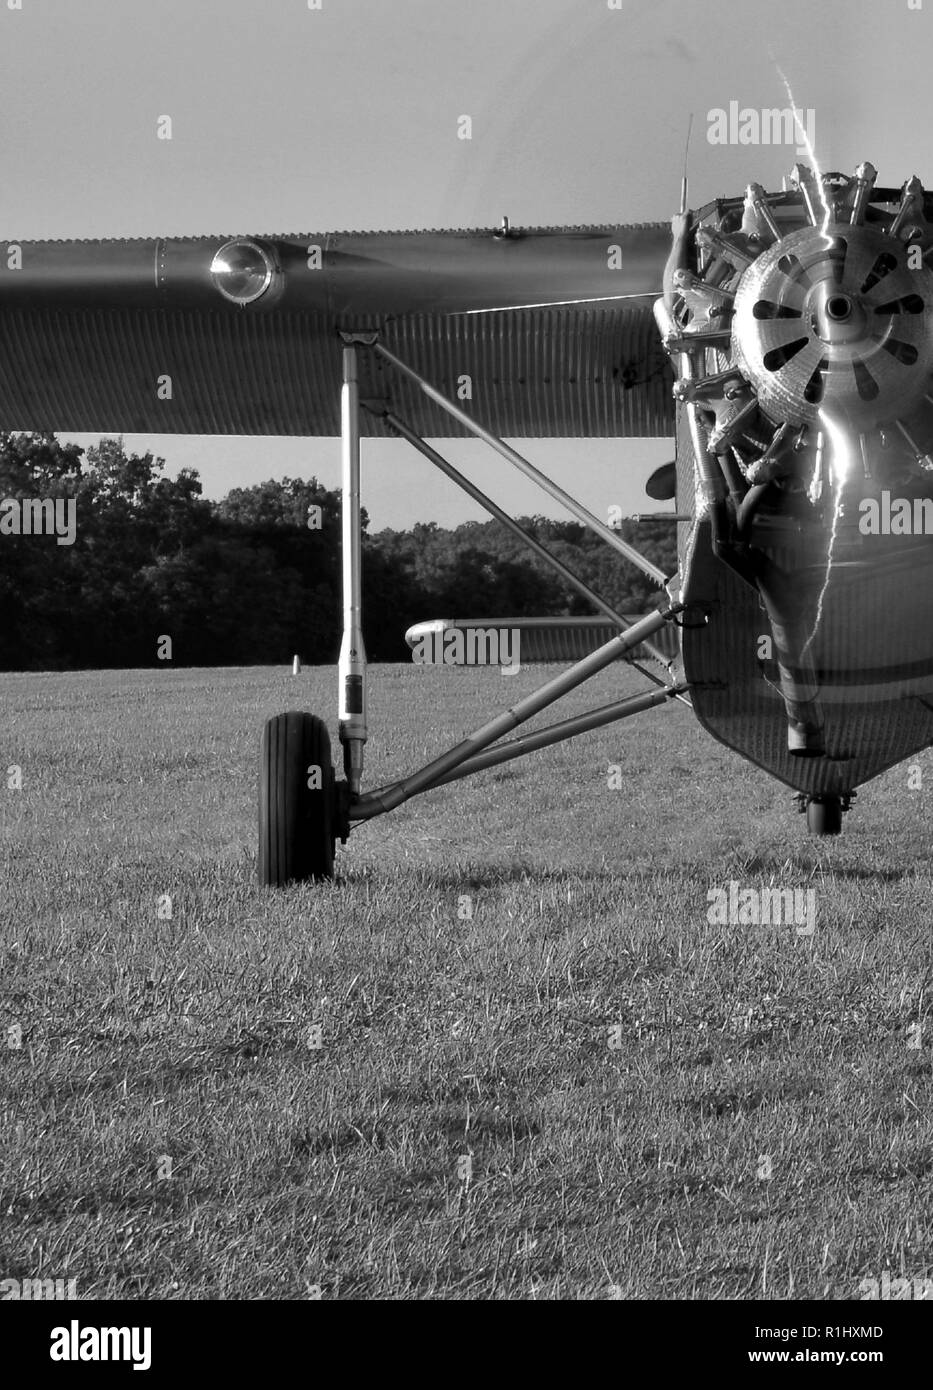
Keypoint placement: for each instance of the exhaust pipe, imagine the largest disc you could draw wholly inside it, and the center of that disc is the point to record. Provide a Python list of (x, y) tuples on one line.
[(796, 672)]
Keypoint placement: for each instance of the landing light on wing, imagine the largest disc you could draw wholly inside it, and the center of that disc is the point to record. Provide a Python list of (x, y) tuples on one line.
[(243, 270)]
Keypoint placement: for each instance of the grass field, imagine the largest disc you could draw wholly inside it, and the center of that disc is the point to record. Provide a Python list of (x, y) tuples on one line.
[(358, 1090)]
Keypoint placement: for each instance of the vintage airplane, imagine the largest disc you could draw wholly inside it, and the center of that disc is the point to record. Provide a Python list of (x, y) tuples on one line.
[(798, 325)]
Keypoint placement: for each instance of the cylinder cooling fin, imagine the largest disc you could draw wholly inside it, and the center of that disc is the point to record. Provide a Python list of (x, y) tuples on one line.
[(807, 318)]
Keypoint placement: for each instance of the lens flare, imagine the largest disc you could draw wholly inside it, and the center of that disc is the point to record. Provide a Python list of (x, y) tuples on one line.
[(811, 152), (833, 433), (841, 458)]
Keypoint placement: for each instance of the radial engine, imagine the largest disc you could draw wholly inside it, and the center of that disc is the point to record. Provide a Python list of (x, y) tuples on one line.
[(800, 326)]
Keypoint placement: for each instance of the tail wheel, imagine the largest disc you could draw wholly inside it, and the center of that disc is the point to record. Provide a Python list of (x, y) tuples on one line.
[(297, 817), (824, 815)]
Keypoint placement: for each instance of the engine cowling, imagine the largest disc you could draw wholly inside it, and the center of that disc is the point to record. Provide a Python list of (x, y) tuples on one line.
[(800, 325)]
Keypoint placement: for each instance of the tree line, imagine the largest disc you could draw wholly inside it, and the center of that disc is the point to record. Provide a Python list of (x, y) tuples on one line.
[(253, 578)]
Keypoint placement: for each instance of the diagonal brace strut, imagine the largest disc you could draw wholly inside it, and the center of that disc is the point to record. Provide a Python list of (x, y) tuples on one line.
[(612, 538), (395, 423), (387, 798)]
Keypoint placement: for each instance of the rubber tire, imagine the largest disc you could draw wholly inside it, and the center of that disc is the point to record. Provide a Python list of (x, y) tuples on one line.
[(825, 817), (296, 822)]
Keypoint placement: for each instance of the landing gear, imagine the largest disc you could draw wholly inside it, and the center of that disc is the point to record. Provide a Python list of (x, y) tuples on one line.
[(297, 801), (302, 810), (824, 810), (824, 815)]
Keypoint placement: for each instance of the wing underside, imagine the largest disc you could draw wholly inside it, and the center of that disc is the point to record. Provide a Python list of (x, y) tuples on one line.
[(131, 337)]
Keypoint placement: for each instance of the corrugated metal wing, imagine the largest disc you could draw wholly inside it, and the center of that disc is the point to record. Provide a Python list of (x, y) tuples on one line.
[(534, 372)]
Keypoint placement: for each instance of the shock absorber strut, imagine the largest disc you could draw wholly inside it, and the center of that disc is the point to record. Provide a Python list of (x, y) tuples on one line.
[(351, 667)]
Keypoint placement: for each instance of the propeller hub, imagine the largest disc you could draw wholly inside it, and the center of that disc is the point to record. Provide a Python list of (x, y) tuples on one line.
[(833, 320), (834, 317)]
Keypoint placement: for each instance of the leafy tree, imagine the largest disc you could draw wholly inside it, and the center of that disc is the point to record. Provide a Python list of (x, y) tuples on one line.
[(248, 579)]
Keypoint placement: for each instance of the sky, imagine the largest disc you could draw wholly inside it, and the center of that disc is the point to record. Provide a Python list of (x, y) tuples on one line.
[(333, 115)]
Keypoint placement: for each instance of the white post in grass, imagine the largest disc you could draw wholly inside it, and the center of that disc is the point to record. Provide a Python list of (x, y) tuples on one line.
[(296, 666)]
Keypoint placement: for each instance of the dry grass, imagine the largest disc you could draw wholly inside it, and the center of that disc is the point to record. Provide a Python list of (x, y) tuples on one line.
[(571, 1093)]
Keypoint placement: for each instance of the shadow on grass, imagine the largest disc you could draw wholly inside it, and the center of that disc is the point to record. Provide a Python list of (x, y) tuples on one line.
[(777, 861)]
